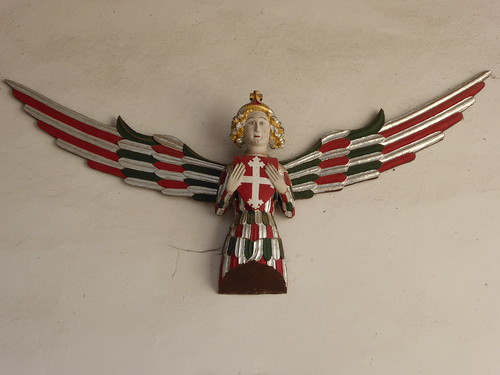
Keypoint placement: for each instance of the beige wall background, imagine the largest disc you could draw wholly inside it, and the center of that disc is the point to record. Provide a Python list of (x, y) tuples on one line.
[(395, 276)]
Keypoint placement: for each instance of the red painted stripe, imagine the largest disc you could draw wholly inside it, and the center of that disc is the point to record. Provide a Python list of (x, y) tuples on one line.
[(406, 158), (169, 167), (339, 177), (168, 151), (269, 231), (262, 260), (439, 126), (471, 91), (105, 168), (334, 162), (238, 232), (88, 129), (234, 262), (279, 266), (254, 232), (77, 141), (170, 184), (335, 144)]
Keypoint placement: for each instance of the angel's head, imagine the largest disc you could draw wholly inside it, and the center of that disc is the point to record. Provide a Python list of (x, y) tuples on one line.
[(250, 115)]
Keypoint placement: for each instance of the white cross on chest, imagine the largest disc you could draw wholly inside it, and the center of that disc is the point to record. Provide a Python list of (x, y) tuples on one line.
[(256, 180)]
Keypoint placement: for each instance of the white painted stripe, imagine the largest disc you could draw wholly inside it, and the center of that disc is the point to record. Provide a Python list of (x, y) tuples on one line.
[(275, 247), (77, 116), (86, 154), (313, 170), (374, 156), (368, 175), (258, 249), (225, 266), (201, 176), (427, 123), (414, 147), (407, 116), (169, 141), (168, 159), (202, 190), (70, 130), (169, 175), (335, 135), (334, 170), (329, 187), (304, 187), (137, 164), (143, 183), (203, 163), (311, 156), (366, 141), (129, 145), (334, 154), (177, 192)]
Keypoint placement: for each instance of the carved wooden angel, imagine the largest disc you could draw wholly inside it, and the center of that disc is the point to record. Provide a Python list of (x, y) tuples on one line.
[(254, 182)]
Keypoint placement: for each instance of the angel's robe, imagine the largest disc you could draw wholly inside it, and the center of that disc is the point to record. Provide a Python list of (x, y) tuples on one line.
[(252, 256)]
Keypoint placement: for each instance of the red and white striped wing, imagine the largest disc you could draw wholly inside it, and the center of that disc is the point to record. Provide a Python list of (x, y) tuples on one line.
[(347, 157), (158, 162)]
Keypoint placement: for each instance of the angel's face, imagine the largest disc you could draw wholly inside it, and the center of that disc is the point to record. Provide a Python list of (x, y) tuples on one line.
[(257, 129)]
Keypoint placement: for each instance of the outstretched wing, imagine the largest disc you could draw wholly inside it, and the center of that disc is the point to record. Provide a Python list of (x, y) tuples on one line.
[(158, 162), (347, 157)]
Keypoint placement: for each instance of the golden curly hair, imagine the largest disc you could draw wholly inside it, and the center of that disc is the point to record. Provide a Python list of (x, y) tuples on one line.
[(277, 133)]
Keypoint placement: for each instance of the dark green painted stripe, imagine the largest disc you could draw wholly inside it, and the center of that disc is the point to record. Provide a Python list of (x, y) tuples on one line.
[(204, 170), (128, 133), (188, 151), (136, 156), (204, 197), (140, 174), (315, 147), (250, 217), (282, 252), (192, 181), (304, 179), (248, 248), (265, 218), (231, 246), (289, 206), (372, 128), (374, 165), (365, 151), (309, 164), (267, 249), (303, 194)]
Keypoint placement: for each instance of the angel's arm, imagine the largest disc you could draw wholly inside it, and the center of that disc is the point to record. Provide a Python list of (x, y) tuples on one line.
[(283, 186), (223, 196)]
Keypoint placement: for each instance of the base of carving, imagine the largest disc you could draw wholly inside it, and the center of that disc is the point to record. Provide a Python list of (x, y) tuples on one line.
[(252, 278)]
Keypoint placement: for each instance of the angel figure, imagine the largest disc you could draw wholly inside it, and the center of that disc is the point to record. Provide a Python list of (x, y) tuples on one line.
[(252, 254)]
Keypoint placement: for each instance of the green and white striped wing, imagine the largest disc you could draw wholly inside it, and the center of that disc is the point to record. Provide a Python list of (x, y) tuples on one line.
[(344, 158)]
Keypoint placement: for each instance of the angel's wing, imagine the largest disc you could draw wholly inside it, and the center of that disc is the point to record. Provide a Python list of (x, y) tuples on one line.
[(158, 162), (347, 157)]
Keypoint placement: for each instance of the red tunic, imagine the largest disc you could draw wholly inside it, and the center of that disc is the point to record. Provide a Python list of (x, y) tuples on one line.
[(253, 235)]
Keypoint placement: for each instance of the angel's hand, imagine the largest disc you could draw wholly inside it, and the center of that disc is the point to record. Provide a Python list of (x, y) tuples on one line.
[(235, 178), (276, 178)]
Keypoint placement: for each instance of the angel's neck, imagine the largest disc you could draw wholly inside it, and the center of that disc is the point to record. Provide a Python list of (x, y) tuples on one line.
[(259, 151)]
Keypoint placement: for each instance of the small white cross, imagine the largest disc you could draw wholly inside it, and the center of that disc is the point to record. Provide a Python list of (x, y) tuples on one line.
[(255, 180)]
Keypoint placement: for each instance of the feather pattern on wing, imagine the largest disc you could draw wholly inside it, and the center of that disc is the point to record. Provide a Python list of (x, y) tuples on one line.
[(158, 162), (346, 157)]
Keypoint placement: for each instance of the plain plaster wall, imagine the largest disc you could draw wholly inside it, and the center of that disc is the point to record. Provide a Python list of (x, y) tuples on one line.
[(395, 276)]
